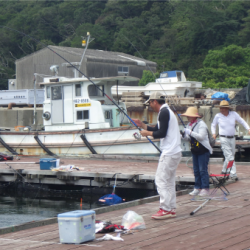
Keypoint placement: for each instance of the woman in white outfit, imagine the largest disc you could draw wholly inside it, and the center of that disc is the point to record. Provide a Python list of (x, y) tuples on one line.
[(197, 133)]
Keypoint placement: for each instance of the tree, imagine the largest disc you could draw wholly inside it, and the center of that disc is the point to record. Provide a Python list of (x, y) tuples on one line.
[(147, 76)]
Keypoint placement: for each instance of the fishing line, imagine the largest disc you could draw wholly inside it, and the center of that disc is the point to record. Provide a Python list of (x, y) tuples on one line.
[(115, 141), (36, 40), (158, 82)]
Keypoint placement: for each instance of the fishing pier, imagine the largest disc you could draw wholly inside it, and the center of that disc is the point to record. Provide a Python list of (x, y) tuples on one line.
[(96, 171), (221, 224)]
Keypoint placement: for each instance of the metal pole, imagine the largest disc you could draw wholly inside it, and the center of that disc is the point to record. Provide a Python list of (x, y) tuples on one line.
[(200, 207), (34, 119), (87, 43)]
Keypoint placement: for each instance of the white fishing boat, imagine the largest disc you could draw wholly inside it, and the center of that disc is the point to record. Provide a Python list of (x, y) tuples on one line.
[(80, 119), (170, 82)]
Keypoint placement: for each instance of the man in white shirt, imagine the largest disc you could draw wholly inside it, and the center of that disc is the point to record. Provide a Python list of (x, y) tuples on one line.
[(167, 129), (226, 120)]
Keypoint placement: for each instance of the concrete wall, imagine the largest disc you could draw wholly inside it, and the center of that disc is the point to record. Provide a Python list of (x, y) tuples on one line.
[(207, 112), (19, 117)]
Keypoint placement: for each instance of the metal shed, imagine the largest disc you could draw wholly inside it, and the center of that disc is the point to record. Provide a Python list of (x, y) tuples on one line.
[(96, 63)]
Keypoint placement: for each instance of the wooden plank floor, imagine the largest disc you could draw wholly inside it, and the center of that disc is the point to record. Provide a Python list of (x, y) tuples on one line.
[(94, 167), (219, 225)]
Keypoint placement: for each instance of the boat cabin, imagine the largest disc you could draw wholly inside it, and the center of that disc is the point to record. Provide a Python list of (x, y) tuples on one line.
[(76, 103), (171, 76)]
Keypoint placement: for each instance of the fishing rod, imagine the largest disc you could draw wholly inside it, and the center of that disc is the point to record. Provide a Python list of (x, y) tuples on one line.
[(46, 46), (158, 82)]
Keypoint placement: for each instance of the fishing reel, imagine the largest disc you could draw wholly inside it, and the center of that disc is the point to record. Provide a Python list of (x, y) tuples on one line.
[(137, 136)]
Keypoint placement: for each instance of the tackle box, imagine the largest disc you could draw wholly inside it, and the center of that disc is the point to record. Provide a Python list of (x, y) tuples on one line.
[(76, 226), (47, 163)]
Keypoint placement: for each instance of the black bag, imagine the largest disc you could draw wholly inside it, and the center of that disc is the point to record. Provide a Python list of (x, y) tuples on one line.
[(196, 147)]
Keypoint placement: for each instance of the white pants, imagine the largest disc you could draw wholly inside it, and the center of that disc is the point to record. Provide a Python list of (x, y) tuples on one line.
[(165, 180), (228, 148)]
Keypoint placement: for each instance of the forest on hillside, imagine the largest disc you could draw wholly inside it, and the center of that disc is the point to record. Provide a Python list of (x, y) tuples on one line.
[(208, 40)]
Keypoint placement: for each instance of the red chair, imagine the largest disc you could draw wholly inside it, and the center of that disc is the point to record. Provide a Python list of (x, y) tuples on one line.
[(219, 180)]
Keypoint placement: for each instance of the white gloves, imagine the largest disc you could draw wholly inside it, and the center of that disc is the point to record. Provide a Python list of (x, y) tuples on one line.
[(188, 131)]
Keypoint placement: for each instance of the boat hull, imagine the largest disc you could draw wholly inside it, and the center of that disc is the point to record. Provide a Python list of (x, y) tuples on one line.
[(66, 143)]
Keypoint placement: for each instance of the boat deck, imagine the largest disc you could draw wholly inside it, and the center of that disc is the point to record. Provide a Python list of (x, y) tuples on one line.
[(219, 225)]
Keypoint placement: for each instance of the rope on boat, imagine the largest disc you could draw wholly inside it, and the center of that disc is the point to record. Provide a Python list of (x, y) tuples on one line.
[(43, 147), (8, 147), (88, 145)]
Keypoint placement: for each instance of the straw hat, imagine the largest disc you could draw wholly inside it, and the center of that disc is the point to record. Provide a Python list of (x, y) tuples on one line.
[(224, 104), (155, 96), (191, 112)]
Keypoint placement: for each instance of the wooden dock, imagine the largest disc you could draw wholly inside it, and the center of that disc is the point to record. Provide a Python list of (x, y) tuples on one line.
[(97, 170), (219, 225)]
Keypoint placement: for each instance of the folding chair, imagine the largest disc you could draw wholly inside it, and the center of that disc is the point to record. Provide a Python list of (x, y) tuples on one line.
[(218, 180)]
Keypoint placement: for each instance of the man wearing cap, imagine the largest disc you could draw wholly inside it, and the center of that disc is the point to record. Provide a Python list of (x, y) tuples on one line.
[(167, 130), (226, 120)]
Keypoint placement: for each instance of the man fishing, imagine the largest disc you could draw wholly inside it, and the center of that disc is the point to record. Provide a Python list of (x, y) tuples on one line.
[(167, 130)]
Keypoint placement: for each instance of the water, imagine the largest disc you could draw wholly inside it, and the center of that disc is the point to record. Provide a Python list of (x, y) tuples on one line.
[(19, 206), (14, 210)]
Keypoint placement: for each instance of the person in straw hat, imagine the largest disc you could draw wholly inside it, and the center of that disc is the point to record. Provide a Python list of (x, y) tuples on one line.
[(197, 133), (226, 120), (167, 129)]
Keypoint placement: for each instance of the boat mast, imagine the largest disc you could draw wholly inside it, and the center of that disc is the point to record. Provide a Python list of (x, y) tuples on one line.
[(34, 116), (85, 42)]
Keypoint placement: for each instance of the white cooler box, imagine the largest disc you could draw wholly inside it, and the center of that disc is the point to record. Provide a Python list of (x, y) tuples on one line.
[(76, 226)]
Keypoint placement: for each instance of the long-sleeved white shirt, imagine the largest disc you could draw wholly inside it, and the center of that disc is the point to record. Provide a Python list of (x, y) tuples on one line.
[(200, 133), (227, 123)]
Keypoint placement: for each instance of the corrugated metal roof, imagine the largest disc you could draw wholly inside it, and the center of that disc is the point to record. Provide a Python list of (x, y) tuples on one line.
[(94, 54), (96, 80)]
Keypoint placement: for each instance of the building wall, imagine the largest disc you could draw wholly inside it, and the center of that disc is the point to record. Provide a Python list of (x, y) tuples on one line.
[(41, 61)]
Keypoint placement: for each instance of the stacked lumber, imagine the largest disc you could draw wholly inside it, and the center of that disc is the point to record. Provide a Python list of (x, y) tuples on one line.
[(176, 100), (186, 100), (173, 99), (135, 99)]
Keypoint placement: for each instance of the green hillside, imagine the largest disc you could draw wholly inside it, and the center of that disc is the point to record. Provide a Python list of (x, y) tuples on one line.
[(208, 40)]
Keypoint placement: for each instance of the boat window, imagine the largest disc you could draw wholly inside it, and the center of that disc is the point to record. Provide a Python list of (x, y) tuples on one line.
[(108, 114), (122, 69), (82, 115), (78, 90), (178, 76), (56, 93), (48, 92), (94, 91), (164, 75)]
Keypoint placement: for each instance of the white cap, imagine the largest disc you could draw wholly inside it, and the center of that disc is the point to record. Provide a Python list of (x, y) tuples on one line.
[(155, 96)]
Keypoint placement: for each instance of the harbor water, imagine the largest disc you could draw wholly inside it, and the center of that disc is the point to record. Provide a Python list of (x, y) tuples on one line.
[(30, 205)]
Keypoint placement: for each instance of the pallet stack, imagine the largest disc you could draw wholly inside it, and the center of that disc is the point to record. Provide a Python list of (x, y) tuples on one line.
[(134, 99), (176, 100)]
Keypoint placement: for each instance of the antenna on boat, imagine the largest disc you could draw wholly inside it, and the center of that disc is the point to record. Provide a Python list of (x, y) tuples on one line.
[(85, 42)]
